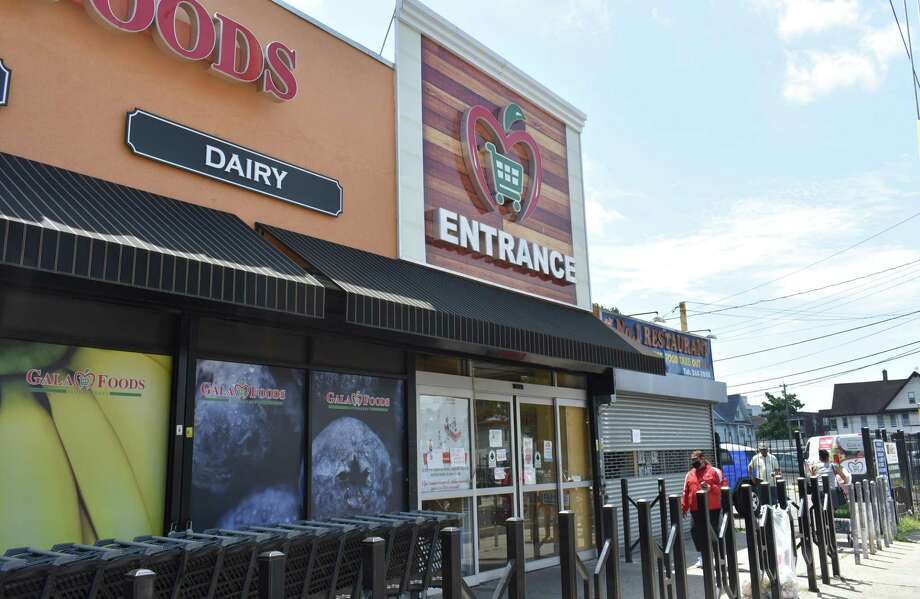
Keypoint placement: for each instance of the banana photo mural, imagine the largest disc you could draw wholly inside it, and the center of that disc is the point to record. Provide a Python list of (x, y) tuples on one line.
[(83, 443)]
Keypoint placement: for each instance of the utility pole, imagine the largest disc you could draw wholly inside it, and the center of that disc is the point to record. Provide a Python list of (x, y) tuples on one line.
[(788, 414), (683, 316)]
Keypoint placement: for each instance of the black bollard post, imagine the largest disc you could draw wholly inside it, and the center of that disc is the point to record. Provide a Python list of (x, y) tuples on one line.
[(680, 557), (140, 584), (611, 568), (704, 533), (751, 536), (373, 569), (450, 563), (799, 454), (781, 496), (817, 508), (271, 575), (646, 551), (831, 538), (805, 527), (772, 564), (763, 493), (567, 556), (514, 528), (869, 452), (905, 466), (624, 501), (665, 529), (731, 549)]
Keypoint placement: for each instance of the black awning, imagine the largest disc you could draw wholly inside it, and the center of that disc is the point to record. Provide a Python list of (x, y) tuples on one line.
[(411, 298), (60, 221)]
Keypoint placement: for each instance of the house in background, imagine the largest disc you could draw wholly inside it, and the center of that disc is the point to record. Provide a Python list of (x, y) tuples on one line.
[(809, 423), (732, 421), (889, 403)]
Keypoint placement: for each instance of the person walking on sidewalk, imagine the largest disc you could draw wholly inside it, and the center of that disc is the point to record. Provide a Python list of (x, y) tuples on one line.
[(702, 476), (825, 466)]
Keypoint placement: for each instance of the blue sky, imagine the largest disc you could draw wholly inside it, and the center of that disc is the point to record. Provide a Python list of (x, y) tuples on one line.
[(730, 143)]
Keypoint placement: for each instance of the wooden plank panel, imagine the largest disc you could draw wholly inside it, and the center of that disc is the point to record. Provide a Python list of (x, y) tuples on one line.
[(449, 87)]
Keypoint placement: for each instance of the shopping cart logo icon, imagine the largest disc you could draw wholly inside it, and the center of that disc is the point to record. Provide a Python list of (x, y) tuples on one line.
[(512, 184)]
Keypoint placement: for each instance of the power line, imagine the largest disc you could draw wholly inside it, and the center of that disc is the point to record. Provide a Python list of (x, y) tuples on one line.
[(821, 351), (828, 377), (822, 260), (761, 351), (798, 293), (872, 355)]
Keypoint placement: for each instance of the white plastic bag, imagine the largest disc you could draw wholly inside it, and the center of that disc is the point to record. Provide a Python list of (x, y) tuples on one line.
[(785, 554)]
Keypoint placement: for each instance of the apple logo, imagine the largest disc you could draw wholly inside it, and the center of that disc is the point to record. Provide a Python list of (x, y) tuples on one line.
[(507, 173)]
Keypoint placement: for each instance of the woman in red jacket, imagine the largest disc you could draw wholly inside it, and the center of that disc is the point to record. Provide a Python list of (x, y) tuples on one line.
[(702, 476)]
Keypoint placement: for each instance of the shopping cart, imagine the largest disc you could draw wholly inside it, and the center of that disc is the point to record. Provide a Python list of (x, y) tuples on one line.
[(508, 177)]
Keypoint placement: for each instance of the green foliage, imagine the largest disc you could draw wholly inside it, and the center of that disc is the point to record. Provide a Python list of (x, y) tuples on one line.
[(908, 528), (777, 410)]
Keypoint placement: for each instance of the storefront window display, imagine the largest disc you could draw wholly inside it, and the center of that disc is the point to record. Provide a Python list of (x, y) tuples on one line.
[(92, 427), (248, 456), (443, 444), (493, 444), (357, 426)]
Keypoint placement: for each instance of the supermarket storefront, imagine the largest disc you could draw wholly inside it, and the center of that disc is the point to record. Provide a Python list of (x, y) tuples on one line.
[(221, 302)]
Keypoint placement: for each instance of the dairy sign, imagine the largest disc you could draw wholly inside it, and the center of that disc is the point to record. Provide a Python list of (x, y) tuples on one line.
[(685, 355), (186, 30)]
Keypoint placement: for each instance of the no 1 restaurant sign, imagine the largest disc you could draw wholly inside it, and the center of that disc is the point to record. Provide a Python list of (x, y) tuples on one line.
[(686, 355), (154, 137)]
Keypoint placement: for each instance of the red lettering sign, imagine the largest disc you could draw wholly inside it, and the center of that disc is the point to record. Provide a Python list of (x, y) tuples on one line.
[(234, 51)]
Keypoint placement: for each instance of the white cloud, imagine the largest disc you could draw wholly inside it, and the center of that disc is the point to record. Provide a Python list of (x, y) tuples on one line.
[(796, 18), (591, 16)]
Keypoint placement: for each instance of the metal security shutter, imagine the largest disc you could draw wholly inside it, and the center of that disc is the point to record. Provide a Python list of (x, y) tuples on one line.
[(670, 429)]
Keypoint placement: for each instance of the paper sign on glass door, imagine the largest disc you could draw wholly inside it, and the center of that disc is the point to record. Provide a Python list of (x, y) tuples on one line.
[(495, 437)]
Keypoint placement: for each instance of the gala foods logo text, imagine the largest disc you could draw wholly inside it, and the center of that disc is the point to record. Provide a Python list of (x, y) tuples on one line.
[(84, 380)]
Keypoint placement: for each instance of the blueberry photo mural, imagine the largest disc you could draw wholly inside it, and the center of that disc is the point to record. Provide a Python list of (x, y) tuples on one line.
[(358, 432), (248, 457)]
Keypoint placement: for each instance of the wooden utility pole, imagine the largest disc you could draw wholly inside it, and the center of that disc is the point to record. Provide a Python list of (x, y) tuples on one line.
[(683, 317)]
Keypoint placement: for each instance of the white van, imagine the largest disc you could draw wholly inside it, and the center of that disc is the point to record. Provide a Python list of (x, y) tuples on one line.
[(846, 450)]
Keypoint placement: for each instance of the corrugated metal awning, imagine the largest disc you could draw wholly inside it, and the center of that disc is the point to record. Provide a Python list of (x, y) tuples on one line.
[(60, 221), (411, 298)]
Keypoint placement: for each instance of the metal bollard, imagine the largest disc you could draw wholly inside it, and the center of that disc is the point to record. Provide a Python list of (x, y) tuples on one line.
[(870, 520), (514, 528), (750, 534), (140, 584), (611, 568), (567, 555), (701, 523), (863, 524), (450, 563), (831, 539), (665, 530), (805, 527), (680, 558), (624, 501), (817, 508), (271, 575), (373, 569), (854, 523), (731, 549), (873, 498), (646, 553)]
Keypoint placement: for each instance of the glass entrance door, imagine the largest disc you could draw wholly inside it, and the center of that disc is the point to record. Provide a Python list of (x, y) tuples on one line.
[(538, 488)]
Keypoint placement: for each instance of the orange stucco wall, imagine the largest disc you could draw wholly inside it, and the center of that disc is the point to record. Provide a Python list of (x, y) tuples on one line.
[(74, 81)]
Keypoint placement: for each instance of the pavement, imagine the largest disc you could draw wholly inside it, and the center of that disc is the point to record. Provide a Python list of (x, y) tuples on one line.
[(893, 573)]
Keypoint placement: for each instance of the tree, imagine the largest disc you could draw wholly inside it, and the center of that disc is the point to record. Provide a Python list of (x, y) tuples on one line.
[(777, 410)]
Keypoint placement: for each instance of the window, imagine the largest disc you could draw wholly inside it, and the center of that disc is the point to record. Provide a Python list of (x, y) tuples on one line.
[(905, 419), (846, 423), (864, 421), (880, 420), (893, 418), (911, 397)]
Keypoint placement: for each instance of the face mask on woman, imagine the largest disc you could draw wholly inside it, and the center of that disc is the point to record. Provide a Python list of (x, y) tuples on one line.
[(697, 463)]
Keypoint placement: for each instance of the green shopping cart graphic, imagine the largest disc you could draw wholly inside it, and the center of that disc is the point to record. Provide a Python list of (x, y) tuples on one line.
[(508, 176)]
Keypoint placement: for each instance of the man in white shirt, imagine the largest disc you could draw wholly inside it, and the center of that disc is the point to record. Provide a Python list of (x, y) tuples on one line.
[(764, 466)]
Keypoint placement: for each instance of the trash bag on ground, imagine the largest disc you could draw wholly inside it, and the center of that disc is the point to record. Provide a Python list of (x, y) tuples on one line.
[(785, 559)]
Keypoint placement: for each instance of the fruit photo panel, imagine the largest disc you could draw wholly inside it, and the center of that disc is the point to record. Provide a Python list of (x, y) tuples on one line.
[(248, 450), (83, 443), (358, 436)]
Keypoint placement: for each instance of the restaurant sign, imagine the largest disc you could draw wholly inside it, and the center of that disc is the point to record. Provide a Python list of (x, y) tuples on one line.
[(154, 137), (685, 355)]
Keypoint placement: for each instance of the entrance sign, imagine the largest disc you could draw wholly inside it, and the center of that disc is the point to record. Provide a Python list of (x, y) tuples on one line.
[(5, 76), (156, 138), (185, 29)]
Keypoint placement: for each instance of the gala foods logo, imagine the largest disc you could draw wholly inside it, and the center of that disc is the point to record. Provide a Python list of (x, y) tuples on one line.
[(240, 392), (357, 400), (507, 173), (51, 381)]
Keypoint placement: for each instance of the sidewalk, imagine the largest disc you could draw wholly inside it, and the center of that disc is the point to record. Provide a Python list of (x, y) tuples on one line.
[(893, 573)]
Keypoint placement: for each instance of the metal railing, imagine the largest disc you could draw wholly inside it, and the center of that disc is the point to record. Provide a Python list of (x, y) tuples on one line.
[(626, 501), (664, 568)]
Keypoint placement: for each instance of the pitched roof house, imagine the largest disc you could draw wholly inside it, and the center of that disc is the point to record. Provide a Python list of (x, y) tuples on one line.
[(889, 403)]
